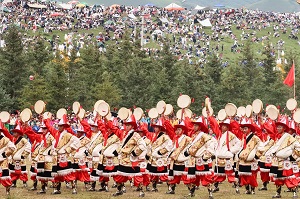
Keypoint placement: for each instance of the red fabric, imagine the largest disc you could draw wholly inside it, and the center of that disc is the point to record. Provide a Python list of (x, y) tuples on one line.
[(56, 139), (144, 180), (248, 180), (7, 134), (33, 136), (103, 179), (19, 175), (290, 78), (176, 140), (52, 130), (175, 180), (118, 132), (69, 177), (265, 176), (87, 128), (169, 129), (33, 178), (236, 130), (205, 180), (214, 126), (82, 176), (70, 130), (189, 125), (222, 178), (289, 182), (187, 180), (120, 178), (6, 182)]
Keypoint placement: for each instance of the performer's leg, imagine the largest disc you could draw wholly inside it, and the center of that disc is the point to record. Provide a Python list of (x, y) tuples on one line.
[(34, 187), (278, 192), (43, 189), (154, 180)]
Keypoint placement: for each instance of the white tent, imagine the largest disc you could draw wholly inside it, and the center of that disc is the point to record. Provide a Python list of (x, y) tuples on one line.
[(34, 5), (164, 20), (198, 7), (173, 6), (205, 23), (65, 6), (7, 1), (132, 16)]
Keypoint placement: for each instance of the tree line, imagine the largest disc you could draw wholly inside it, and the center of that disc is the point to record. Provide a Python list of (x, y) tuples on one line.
[(126, 76)]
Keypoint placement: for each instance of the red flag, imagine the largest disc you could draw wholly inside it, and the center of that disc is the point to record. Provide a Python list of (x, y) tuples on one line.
[(290, 78)]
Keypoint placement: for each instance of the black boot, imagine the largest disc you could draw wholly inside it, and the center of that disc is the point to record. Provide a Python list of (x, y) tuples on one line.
[(14, 184), (102, 184), (7, 190), (74, 189), (24, 184), (264, 187), (142, 194), (216, 189), (192, 191), (43, 190), (248, 189), (34, 188), (57, 187), (210, 193), (119, 190), (92, 188), (154, 186), (295, 193), (278, 192), (172, 189)]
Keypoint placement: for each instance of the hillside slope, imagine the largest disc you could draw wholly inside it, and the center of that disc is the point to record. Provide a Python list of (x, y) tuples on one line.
[(266, 5)]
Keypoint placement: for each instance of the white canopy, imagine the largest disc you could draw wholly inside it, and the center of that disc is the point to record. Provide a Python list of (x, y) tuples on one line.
[(198, 7), (132, 16), (173, 6), (65, 6), (34, 5), (164, 20), (7, 1), (205, 23)]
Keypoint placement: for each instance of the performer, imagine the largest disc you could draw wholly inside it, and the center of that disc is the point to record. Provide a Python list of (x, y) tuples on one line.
[(35, 140), (265, 162), (80, 160), (228, 146), (285, 147), (143, 180), (65, 144), (44, 158), (131, 147), (161, 146), (108, 167), (94, 148), (202, 148), (177, 157), (252, 150), (17, 166), (7, 148)]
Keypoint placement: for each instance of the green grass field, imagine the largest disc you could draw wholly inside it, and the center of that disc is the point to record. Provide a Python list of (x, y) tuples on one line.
[(226, 192), (291, 45)]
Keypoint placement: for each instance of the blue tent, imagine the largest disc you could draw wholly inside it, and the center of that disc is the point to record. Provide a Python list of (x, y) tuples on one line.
[(149, 5), (219, 6)]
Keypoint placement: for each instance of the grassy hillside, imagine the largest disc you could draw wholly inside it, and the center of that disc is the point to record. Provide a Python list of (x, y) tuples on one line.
[(268, 5), (276, 5)]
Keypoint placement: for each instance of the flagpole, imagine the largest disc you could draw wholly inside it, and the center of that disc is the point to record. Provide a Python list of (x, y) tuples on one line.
[(294, 80)]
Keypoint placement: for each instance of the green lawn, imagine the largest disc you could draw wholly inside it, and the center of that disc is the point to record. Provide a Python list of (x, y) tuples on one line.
[(232, 57)]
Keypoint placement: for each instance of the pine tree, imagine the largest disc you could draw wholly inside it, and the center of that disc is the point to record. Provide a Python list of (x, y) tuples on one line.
[(14, 68)]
